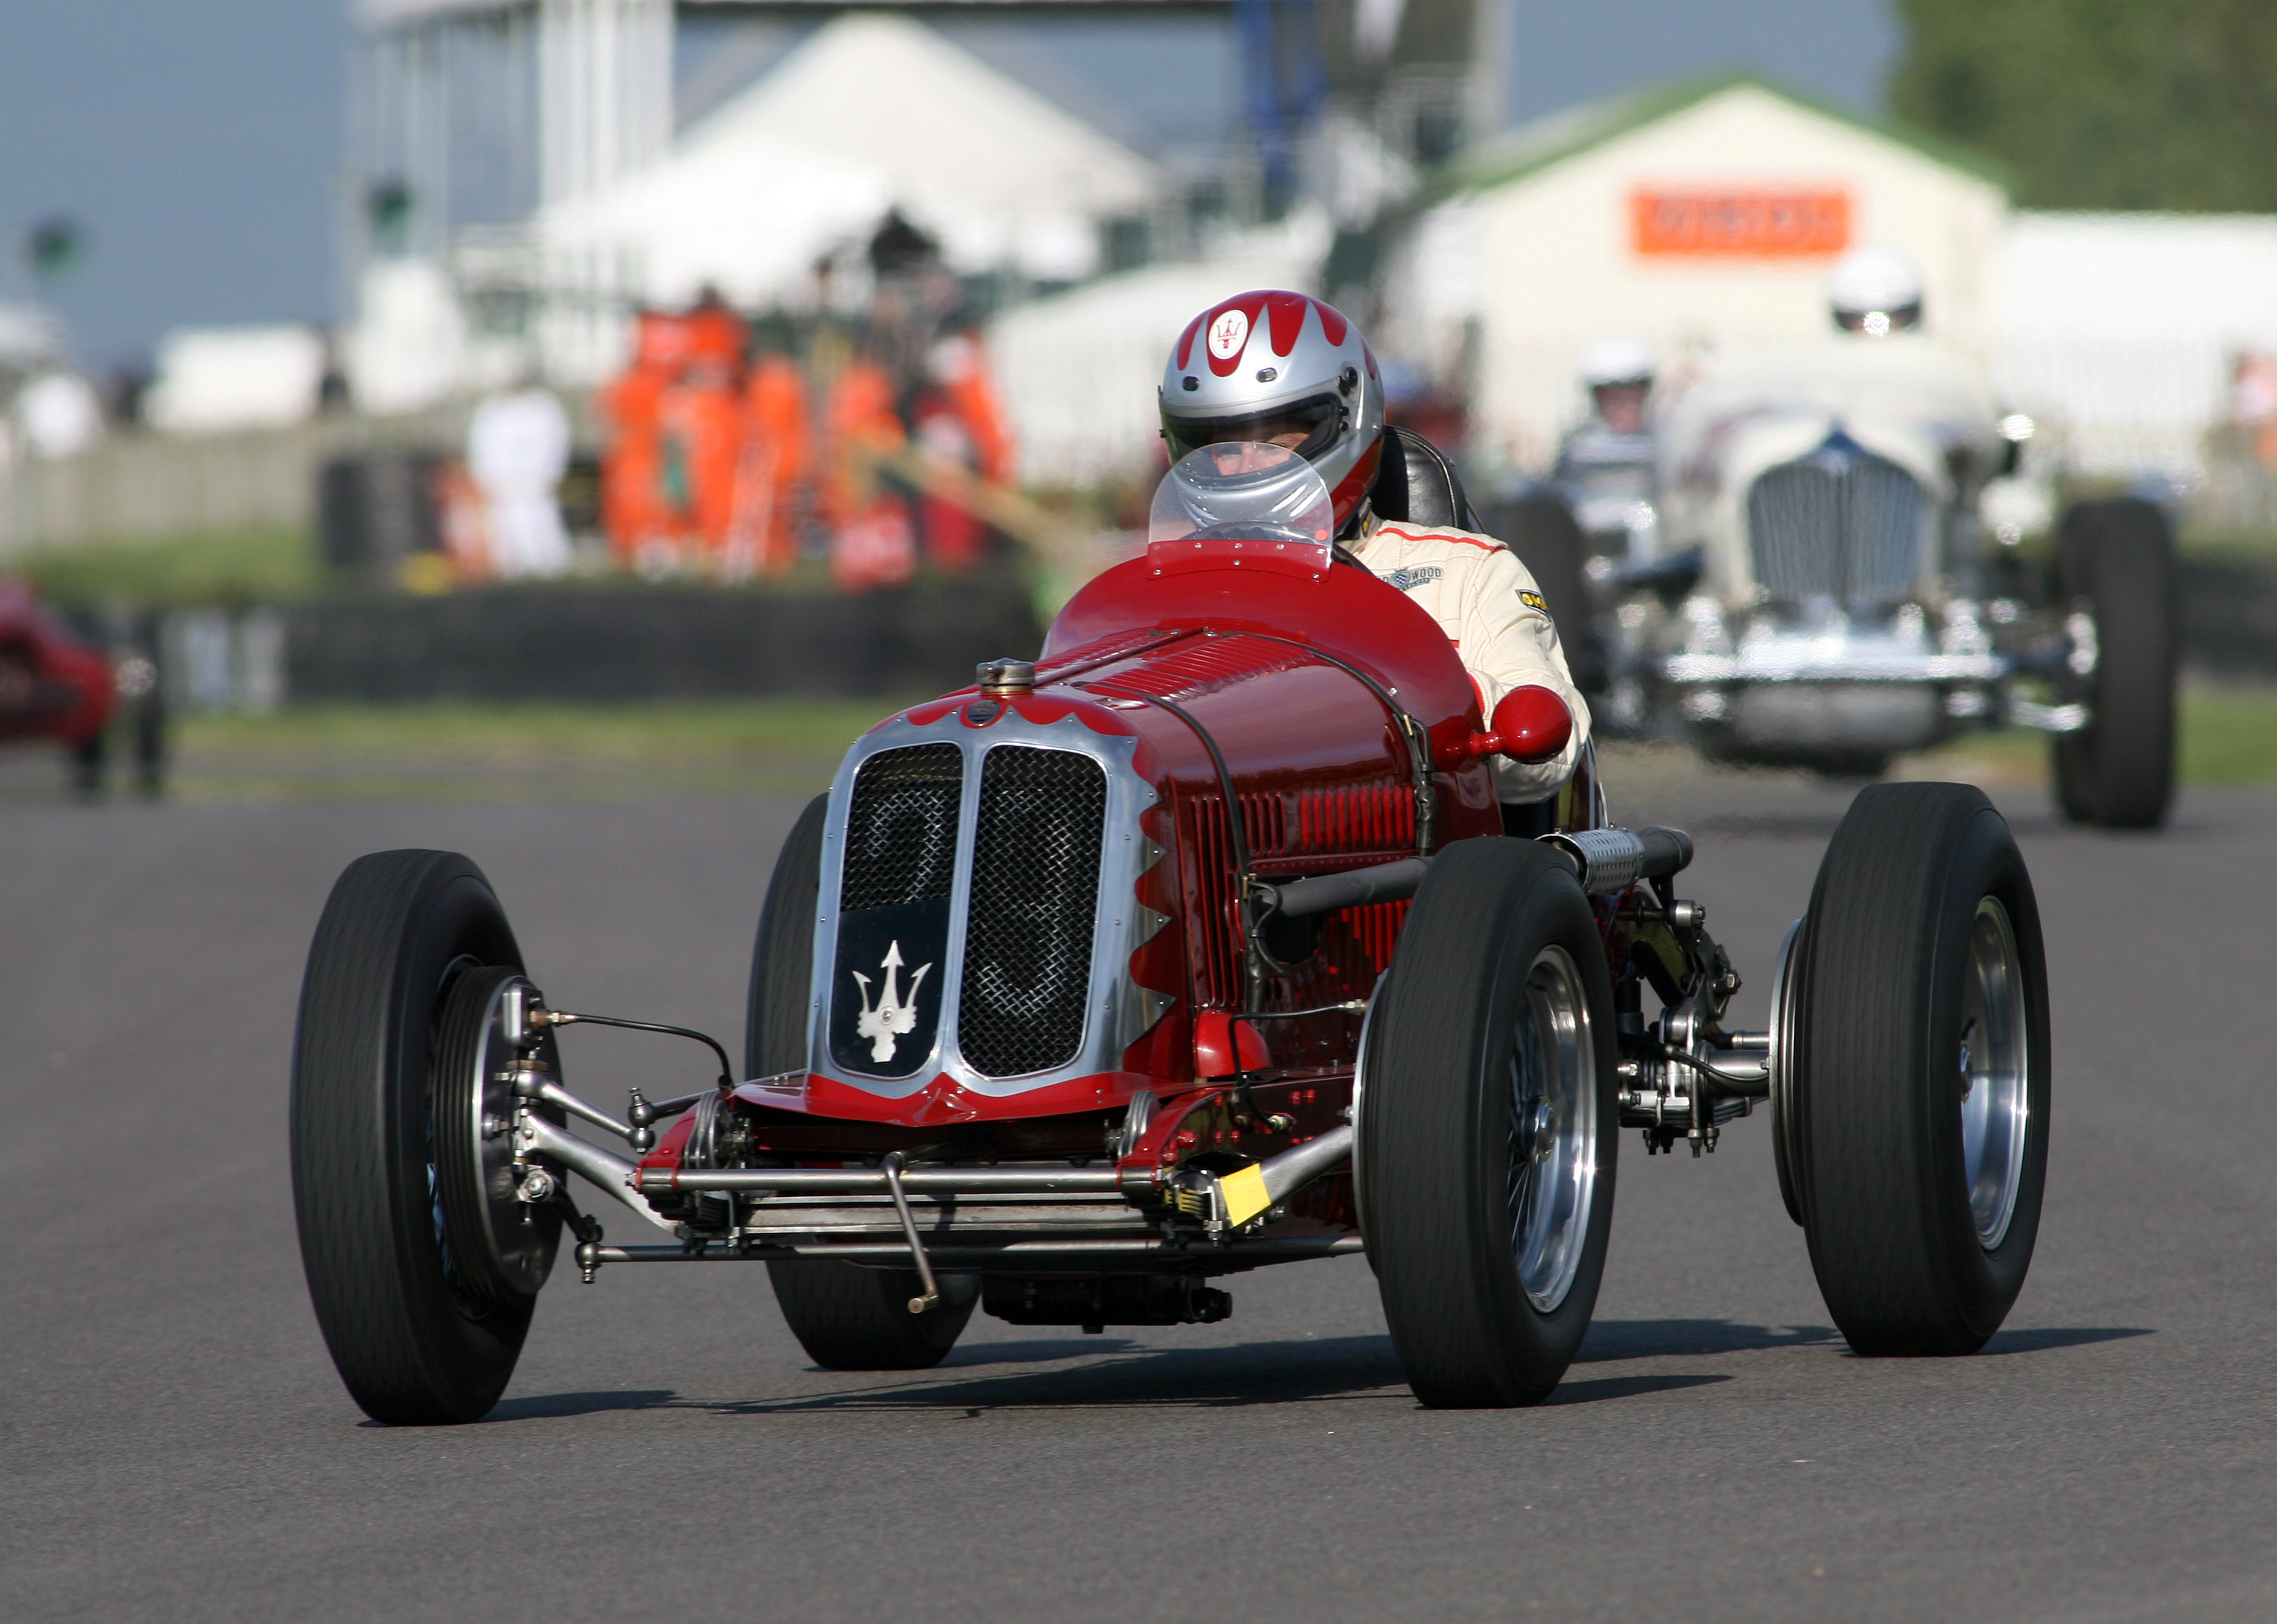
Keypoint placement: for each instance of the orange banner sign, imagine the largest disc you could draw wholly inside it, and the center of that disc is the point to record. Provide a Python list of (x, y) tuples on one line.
[(1737, 224)]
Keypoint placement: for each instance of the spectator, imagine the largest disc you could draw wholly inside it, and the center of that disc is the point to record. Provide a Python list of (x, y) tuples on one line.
[(633, 510), (715, 333), (517, 450), (871, 541), (2253, 404), (61, 414), (763, 535), (959, 422), (700, 422)]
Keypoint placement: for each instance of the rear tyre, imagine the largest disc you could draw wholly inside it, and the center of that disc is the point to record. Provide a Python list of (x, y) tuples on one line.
[(1488, 1127), (149, 719), (140, 685), (1912, 1079), (2116, 571), (423, 1321), (90, 763), (846, 1317)]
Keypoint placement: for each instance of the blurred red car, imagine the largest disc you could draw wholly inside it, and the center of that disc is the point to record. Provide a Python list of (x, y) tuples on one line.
[(57, 685)]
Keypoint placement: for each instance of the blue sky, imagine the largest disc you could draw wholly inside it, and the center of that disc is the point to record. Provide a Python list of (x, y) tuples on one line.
[(199, 144)]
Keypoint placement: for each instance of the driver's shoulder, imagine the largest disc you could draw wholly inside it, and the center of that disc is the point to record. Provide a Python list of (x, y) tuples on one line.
[(1406, 543), (1466, 562)]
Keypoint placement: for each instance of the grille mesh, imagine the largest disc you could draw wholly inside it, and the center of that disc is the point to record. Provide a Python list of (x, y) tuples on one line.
[(901, 831), (1035, 897), (1847, 529), (1884, 530)]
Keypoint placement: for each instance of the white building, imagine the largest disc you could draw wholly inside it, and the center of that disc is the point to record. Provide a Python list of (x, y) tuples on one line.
[(1706, 217), (1699, 218)]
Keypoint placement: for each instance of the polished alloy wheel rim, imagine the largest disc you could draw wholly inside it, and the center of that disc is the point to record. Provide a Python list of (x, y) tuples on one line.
[(1995, 1072), (1553, 1130)]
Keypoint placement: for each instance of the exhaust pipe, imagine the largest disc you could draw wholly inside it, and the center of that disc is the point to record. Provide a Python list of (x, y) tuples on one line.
[(1610, 860), (1603, 860)]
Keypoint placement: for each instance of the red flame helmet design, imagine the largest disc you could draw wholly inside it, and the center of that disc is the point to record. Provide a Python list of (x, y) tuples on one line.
[(1270, 362)]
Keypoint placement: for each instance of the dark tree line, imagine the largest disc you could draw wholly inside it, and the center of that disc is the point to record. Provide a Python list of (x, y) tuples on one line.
[(2103, 103)]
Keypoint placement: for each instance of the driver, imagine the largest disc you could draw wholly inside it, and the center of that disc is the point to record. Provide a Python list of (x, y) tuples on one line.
[(1286, 369)]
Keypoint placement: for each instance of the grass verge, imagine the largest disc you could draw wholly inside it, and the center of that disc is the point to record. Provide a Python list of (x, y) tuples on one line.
[(515, 751), (791, 747), (2228, 736), (233, 567)]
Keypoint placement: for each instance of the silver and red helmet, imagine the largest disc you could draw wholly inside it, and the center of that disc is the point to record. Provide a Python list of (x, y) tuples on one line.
[(1268, 365)]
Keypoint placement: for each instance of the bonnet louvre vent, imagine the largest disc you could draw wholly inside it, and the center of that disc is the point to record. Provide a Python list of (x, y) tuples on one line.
[(1034, 901), (901, 831)]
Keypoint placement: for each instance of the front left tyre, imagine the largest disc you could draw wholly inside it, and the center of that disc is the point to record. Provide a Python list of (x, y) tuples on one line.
[(423, 1263)]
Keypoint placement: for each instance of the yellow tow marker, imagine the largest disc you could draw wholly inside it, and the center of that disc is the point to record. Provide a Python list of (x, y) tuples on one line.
[(1244, 1194)]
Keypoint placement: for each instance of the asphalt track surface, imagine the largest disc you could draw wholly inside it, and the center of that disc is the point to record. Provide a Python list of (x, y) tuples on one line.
[(177, 1446)]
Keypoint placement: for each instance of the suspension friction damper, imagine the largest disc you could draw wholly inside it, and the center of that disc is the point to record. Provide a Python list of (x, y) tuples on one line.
[(1115, 1299)]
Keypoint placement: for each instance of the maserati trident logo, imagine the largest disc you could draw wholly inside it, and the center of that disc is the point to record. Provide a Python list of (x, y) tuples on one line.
[(1229, 333), (891, 1018)]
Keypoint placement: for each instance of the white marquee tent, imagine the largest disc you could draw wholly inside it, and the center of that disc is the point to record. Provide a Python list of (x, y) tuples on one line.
[(872, 111)]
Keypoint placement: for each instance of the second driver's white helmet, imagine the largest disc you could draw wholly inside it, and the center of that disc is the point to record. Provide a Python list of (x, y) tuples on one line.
[(1876, 292), (1615, 359), (1270, 362)]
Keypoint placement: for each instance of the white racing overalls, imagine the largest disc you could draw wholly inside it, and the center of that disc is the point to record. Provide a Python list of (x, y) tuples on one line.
[(1492, 611)]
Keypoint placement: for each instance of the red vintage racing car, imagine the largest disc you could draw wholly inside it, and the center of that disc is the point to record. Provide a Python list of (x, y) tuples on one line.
[(1199, 944), (60, 686)]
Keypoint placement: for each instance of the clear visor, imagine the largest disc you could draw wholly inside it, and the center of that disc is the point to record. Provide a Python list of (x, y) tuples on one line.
[(1307, 427), (1244, 492), (1900, 318)]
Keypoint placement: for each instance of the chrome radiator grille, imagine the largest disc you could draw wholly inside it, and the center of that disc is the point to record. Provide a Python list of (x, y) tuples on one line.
[(1844, 527), (901, 833), (1034, 901)]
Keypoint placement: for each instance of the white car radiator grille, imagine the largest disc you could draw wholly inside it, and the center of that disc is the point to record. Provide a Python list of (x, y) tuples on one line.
[(1843, 527)]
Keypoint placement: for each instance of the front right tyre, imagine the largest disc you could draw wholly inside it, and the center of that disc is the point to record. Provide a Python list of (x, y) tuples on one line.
[(422, 1264)]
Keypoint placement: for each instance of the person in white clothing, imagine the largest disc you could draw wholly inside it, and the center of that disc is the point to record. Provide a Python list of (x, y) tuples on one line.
[(517, 450), (1286, 369)]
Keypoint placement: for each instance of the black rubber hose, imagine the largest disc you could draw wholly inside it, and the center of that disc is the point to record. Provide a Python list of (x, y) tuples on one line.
[(1390, 882)]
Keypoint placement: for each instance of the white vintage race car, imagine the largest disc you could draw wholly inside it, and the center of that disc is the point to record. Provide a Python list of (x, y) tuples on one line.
[(1817, 588)]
